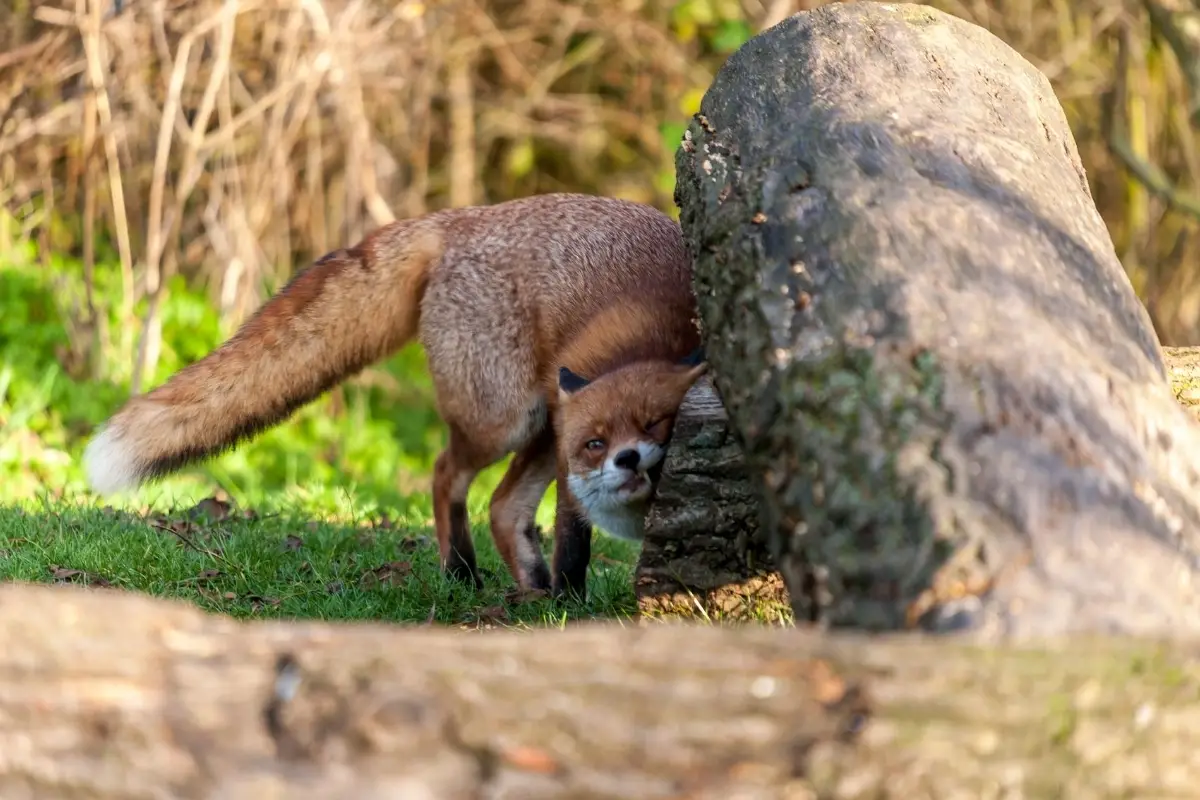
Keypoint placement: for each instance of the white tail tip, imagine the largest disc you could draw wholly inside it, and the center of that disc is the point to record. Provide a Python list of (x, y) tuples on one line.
[(110, 464)]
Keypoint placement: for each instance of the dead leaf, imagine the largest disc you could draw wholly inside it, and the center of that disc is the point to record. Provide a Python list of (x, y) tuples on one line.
[(214, 508), (516, 596), (827, 685), (530, 759), (411, 543), (492, 615), (230, 596), (179, 527), (392, 573), (209, 574), (66, 574), (334, 587), (293, 543), (257, 603)]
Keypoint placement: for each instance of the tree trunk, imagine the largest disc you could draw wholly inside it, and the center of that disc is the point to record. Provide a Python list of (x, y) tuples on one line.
[(948, 396), (115, 696), (702, 556)]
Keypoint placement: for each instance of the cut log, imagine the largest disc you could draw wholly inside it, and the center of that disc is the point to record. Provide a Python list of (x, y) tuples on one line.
[(951, 402), (701, 555), (108, 695)]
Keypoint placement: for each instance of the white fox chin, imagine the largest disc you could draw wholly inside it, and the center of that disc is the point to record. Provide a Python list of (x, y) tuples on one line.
[(615, 498)]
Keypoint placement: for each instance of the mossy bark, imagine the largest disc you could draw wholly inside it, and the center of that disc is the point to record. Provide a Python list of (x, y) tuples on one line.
[(702, 555), (109, 695), (949, 399)]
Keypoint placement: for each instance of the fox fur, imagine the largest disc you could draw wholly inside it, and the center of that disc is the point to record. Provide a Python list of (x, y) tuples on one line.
[(560, 328)]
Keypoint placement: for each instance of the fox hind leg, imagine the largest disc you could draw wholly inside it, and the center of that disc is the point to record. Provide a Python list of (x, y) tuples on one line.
[(514, 505), (453, 473)]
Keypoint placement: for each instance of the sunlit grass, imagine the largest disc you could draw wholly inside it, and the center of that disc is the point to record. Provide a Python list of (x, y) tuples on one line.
[(291, 559)]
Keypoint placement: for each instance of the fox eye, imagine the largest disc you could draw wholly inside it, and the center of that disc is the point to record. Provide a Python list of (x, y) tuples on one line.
[(594, 444)]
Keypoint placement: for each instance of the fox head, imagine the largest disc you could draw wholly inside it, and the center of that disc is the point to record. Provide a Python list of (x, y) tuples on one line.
[(613, 435)]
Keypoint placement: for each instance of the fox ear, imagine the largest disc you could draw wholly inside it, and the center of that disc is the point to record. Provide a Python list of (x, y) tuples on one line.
[(694, 358), (569, 382)]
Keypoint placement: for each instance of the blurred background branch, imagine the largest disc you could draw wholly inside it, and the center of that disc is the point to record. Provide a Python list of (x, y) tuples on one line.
[(1178, 23), (1151, 176)]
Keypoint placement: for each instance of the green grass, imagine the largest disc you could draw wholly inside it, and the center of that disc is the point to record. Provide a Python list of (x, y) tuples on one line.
[(319, 483), (283, 563), (327, 476)]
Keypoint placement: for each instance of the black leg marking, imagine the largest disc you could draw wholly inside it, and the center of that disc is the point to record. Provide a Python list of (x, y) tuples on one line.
[(461, 562), (572, 552), (535, 567)]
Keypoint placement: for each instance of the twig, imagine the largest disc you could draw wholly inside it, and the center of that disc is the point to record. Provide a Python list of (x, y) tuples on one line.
[(1184, 41), (88, 21), (187, 541), (1149, 174), (96, 350), (364, 145), (155, 239), (462, 130)]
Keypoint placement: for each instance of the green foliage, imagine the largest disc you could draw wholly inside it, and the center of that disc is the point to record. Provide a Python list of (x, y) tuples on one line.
[(730, 35), (720, 26), (373, 440), (366, 456), (365, 449)]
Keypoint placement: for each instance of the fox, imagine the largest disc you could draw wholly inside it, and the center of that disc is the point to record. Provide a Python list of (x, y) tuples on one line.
[(558, 328)]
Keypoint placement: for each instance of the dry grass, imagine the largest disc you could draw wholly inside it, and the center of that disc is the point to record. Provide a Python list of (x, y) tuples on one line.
[(230, 140)]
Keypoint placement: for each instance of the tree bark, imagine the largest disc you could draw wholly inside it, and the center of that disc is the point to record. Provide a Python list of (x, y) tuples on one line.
[(948, 397), (702, 555), (109, 695)]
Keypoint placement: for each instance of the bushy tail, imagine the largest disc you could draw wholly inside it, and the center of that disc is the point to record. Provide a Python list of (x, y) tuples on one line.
[(350, 308)]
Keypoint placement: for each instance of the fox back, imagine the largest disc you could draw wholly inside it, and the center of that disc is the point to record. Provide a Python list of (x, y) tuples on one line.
[(506, 299)]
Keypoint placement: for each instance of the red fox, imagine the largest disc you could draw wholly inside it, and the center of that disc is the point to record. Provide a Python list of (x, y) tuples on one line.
[(561, 328)]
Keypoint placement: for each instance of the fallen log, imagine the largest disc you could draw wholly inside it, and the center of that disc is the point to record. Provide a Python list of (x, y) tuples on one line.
[(110, 695), (952, 405), (704, 555)]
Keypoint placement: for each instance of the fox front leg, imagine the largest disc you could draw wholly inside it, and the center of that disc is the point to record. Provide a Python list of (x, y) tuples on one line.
[(572, 546)]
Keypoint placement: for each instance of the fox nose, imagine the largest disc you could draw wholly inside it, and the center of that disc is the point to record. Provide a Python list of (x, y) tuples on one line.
[(627, 459)]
